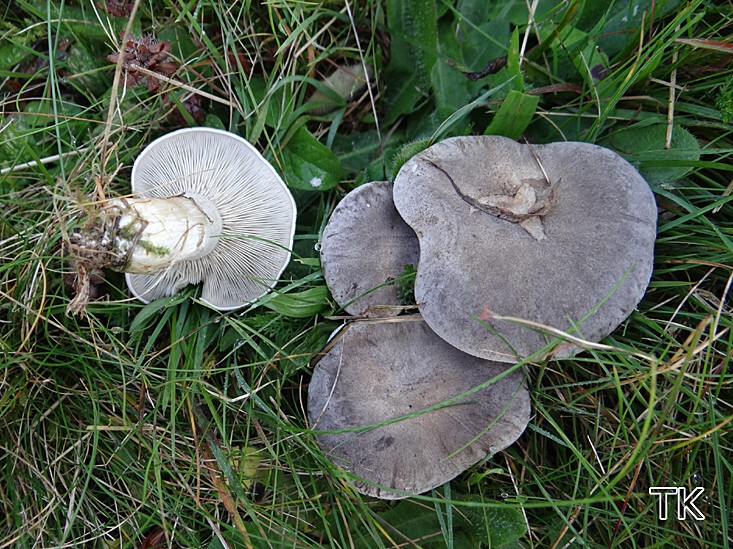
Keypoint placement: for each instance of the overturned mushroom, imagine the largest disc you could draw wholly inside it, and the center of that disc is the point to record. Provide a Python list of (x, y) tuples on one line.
[(396, 391), (365, 247), (560, 235), (207, 208)]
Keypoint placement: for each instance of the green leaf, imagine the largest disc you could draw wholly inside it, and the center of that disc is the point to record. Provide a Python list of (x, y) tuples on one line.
[(268, 102), (40, 114), (450, 85), (475, 11), (303, 304), (10, 56), (402, 95), (355, 151), (472, 526), (514, 115), (512, 62), (416, 522), (576, 53), (309, 164), (506, 525), (621, 30), (644, 146), (498, 525), (413, 25), (484, 43), (413, 52)]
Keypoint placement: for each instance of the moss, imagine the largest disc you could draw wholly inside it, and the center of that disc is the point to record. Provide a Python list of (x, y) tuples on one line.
[(724, 101), (129, 231), (406, 286), (152, 249)]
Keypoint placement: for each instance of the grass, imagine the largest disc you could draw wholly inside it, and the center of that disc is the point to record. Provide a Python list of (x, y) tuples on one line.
[(169, 421)]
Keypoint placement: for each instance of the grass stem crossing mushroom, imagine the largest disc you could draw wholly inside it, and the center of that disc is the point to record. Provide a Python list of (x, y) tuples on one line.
[(561, 235), (405, 412)]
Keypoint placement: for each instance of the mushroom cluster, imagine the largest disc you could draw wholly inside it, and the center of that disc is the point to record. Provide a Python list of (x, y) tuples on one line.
[(206, 209), (513, 244)]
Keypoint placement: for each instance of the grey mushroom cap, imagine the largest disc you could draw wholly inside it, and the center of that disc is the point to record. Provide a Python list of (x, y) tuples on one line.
[(365, 246), (381, 371), (561, 235), (256, 208)]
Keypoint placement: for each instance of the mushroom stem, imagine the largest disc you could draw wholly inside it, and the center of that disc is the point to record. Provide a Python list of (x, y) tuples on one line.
[(154, 233), (148, 235)]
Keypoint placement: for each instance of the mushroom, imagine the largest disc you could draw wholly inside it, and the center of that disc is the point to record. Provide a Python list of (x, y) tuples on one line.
[(559, 235), (207, 208), (387, 402), (365, 246)]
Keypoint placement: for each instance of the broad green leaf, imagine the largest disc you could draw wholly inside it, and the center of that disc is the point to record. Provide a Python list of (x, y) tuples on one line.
[(497, 526), (40, 114), (356, 151), (309, 164), (484, 43), (576, 53), (475, 11), (505, 524), (303, 304), (408, 520), (450, 87), (74, 18), (10, 56), (82, 59), (472, 526), (514, 115), (418, 523), (512, 63), (213, 121), (413, 26), (644, 146), (621, 30), (151, 309), (267, 102), (413, 52), (402, 95)]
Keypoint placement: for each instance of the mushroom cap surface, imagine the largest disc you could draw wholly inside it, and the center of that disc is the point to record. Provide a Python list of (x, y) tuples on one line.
[(366, 245), (496, 236), (381, 371), (256, 208)]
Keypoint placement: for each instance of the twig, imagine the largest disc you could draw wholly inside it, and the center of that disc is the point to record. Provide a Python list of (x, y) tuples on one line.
[(530, 23), (571, 338), (42, 161), (367, 77), (672, 97), (114, 102), (178, 83)]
